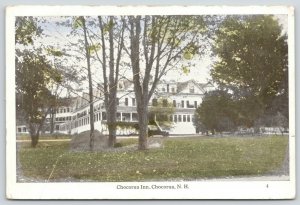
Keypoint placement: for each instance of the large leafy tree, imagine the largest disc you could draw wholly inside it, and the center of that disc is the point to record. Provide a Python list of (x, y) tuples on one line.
[(252, 62), (33, 77)]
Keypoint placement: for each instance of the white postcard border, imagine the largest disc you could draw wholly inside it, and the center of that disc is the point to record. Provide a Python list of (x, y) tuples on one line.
[(109, 190)]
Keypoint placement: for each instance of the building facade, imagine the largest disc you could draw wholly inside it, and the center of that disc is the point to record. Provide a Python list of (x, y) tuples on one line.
[(185, 97)]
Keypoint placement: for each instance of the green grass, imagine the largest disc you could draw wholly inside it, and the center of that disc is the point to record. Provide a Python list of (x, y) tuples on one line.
[(181, 158)]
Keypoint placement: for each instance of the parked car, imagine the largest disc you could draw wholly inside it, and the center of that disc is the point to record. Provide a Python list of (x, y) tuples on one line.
[(155, 130)]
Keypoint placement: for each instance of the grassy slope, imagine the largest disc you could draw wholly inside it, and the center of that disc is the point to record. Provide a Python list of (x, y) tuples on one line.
[(188, 158)]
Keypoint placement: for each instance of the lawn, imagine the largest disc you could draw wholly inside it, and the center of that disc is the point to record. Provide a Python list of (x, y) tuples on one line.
[(180, 159)]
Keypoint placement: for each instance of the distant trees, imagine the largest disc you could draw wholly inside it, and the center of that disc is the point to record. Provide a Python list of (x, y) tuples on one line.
[(216, 113), (251, 65)]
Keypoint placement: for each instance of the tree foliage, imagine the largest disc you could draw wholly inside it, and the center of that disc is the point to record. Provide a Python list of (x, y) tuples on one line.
[(216, 112), (26, 30), (252, 63), (33, 77)]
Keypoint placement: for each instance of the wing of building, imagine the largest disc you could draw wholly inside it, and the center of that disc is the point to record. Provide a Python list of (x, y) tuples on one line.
[(184, 96)]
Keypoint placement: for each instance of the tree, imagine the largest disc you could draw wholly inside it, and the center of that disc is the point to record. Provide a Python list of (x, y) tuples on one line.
[(56, 89), (252, 62), (26, 30), (157, 45), (111, 28), (217, 112), (81, 20), (33, 76)]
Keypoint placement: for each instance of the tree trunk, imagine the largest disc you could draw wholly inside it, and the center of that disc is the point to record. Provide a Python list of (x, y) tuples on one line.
[(143, 126), (34, 140), (91, 100), (112, 134), (52, 114), (111, 122), (34, 134)]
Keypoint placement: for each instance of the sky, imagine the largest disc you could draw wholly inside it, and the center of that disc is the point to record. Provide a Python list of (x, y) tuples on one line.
[(58, 37)]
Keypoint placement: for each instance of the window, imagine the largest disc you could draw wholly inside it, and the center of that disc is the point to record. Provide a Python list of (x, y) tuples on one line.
[(175, 118), (68, 109), (133, 101), (173, 90), (188, 118), (163, 89), (64, 110), (195, 104), (170, 118), (179, 118), (126, 101), (182, 103), (174, 103), (184, 118), (19, 129), (168, 87), (103, 115), (134, 117), (192, 89), (187, 104)]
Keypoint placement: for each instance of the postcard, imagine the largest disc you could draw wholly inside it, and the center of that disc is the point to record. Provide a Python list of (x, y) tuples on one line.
[(150, 102)]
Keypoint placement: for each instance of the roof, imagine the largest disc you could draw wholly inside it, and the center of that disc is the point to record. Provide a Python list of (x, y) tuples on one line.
[(182, 85)]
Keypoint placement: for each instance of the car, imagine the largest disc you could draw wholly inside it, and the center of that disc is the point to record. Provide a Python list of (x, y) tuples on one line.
[(156, 130)]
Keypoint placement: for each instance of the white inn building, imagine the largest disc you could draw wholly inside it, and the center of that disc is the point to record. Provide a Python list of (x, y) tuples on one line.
[(184, 96)]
